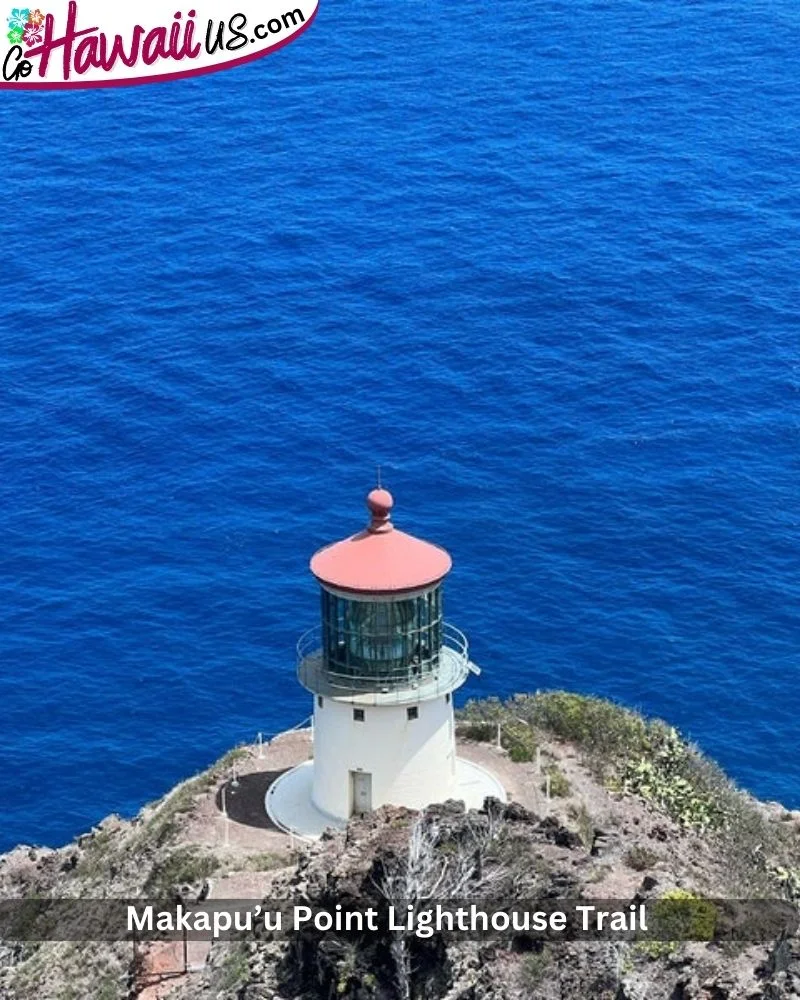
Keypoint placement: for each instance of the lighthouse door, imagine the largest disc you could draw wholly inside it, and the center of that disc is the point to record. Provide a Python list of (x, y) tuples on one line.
[(360, 792)]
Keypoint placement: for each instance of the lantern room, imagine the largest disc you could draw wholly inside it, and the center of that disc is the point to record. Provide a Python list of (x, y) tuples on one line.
[(392, 643)]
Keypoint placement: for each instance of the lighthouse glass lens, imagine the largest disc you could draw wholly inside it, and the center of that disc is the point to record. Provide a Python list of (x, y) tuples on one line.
[(391, 643)]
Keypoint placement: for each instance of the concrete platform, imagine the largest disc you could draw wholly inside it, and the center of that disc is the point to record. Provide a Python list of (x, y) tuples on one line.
[(289, 806)]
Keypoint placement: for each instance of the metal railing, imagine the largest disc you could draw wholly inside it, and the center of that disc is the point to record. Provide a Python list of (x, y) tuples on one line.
[(408, 683)]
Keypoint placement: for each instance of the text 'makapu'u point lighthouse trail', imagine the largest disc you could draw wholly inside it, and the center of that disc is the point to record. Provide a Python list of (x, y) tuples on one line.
[(382, 666)]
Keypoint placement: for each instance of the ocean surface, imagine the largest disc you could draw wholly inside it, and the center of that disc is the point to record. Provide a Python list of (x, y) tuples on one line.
[(538, 260)]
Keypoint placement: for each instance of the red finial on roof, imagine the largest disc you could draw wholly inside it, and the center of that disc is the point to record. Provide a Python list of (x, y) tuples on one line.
[(379, 504)]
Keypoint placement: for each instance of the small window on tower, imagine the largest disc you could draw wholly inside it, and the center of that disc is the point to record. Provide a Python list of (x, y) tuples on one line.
[(447, 698), (413, 713), (320, 701), (358, 715)]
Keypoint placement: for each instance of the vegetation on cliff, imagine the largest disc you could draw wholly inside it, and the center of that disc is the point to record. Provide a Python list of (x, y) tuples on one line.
[(608, 804), (632, 755)]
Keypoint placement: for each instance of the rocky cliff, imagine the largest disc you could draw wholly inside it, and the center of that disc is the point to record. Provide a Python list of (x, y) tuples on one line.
[(605, 805)]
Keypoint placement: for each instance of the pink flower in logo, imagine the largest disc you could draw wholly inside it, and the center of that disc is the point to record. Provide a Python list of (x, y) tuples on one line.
[(33, 34), (36, 17)]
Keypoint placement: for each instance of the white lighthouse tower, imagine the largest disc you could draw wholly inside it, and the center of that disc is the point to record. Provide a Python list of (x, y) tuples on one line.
[(382, 667)]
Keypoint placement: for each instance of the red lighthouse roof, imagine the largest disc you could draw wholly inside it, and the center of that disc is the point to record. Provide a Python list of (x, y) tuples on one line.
[(380, 559)]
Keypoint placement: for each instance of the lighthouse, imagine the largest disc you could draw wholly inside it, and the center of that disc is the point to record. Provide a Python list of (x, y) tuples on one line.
[(382, 666)]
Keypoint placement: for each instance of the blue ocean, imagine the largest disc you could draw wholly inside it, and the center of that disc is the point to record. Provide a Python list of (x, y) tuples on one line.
[(537, 260)]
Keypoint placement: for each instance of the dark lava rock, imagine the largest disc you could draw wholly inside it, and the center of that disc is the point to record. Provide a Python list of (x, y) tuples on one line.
[(558, 834), (515, 813)]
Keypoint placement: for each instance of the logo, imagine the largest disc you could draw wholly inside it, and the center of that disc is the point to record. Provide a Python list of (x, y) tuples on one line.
[(94, 44)]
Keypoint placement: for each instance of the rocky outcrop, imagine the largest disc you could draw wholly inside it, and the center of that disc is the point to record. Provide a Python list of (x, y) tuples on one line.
[(599, 838)]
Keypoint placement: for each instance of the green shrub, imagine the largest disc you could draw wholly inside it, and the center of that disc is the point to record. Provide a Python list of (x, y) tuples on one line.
[(533, 968), (234, 971), (678, 916), (98, 855), (481, 732), (518, 739), (788, 879), (666, 775), (483, 710), (585, 824), (560, 787), (601, 728), (640, 858), (265, 862), (683, 916), (478, 720)]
